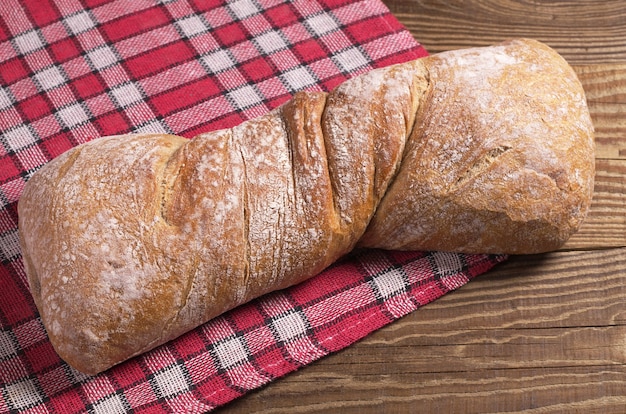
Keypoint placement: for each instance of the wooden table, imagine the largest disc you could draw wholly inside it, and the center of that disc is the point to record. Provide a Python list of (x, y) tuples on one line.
[(544, 333)]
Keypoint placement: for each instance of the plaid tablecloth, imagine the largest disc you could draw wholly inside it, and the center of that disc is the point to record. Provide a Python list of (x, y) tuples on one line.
[(75, 70)]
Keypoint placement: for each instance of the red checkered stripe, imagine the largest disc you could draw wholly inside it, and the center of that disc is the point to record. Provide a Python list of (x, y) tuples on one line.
[(70, 74), (251, 345), (72, 71)]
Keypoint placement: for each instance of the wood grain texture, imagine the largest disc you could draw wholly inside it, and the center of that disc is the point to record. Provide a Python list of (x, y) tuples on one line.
[(605, 88), (584, 31), (538, 334), (512, 340), (590, 35), (605, 225)]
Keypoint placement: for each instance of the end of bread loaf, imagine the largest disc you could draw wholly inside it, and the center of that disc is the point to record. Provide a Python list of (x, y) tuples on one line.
[(501, 159), (90, 265)]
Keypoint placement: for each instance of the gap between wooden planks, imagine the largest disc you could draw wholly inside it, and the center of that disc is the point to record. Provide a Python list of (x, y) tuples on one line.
[(583, 31), (589, 35), (542, 332)]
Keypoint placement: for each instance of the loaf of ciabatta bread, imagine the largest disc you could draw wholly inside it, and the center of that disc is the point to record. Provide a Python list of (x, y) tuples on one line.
[(130, 241)]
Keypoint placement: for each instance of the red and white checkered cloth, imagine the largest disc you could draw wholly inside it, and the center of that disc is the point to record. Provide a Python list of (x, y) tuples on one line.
[(74, 70)]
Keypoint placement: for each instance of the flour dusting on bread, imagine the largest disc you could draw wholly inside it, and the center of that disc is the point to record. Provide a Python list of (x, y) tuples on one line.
[(130, 241)]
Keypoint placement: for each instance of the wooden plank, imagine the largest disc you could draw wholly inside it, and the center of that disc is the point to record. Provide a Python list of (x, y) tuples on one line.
[(568, 390), (585, 31), (589, 40), (605, 225), (560, 289), (464, 24), (542, 332), (605, 88)]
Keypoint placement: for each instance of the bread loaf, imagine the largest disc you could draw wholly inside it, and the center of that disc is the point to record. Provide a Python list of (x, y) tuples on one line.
[(130, 241)]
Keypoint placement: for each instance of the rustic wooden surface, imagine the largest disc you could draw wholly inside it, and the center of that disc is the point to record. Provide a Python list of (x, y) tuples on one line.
[(544, 333)]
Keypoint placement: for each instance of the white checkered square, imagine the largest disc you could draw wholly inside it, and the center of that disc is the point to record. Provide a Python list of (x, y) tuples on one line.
[(244, 97), (152, 127), (171, 381), (447, 263), (192, 26), (243, 8), (102, 57), (218, 61), (73, 115), (22, 395), (7, 340), (127, 94), (50, 78), (270, 42), (28, 42), (389, 283), (80, 22), (231, 352), (5, 99), (350, 59), (112, 404), (19, 138), (298, 78), (289, 326), (321, 24), (9, 249)]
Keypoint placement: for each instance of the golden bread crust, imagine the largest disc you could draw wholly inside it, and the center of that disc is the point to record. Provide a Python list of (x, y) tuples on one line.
[(130, 241)]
